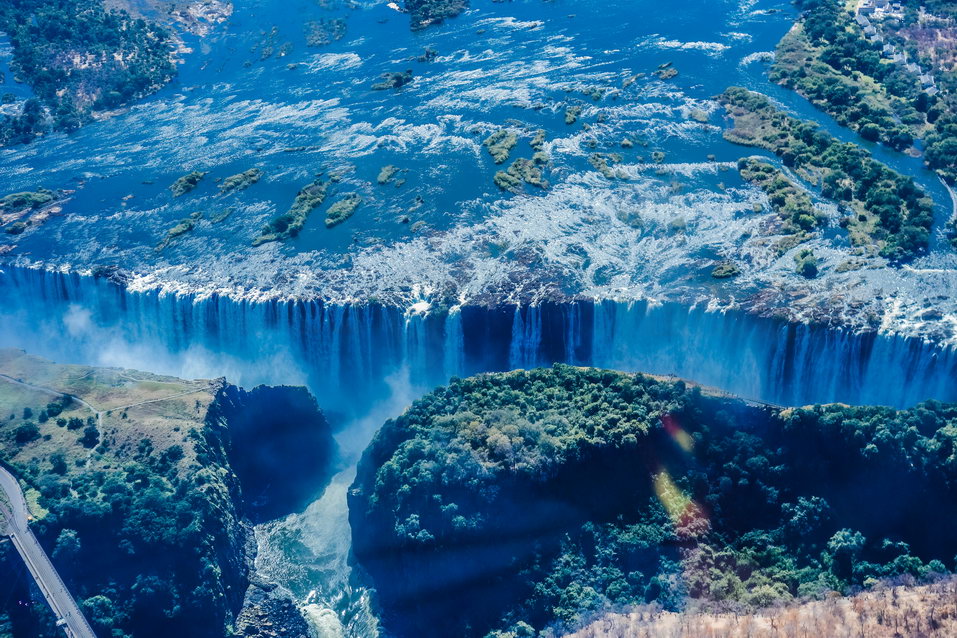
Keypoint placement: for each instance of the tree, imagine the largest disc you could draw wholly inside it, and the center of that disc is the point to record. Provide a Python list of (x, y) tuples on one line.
[(806, 263), (871, 132), (100, 611), (26, 433), (58, 463), (90, 436), (67, 547)]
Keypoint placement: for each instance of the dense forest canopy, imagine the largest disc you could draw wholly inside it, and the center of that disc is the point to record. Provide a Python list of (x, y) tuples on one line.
[(79, 57), (529, 500)]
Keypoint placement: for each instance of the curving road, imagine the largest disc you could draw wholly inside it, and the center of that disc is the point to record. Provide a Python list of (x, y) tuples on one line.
[(13, 510)]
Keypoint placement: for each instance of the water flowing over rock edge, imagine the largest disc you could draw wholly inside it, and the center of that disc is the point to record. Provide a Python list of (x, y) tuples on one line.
[(347, 351)]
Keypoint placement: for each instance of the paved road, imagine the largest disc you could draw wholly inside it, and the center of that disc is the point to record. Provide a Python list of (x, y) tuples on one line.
[(13, 508)]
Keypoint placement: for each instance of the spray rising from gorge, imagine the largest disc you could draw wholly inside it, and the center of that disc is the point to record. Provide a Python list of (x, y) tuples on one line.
[(355, 347)]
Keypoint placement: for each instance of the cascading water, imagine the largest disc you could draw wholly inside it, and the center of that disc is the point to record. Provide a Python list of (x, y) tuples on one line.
[(368, 361), (345, 352)]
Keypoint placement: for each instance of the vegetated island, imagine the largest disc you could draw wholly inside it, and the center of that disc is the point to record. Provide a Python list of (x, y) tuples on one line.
[(500, 145), (142, 488), (522, 171), (426, 12), (187, 183), (240, 181), (510, 504), (80, 59), (291, 222), (343, 209), (20, 211), (887, 213)]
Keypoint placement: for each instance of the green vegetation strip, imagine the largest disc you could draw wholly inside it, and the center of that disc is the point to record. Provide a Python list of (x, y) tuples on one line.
[(887, 212), (549, 495), (20, 201), (291, 222)]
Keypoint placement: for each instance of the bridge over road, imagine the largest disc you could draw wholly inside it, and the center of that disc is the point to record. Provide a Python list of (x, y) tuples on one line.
[(14, 522)]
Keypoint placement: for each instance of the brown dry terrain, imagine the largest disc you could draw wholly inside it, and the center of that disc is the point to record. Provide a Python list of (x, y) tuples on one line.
[(926, 611), (129, 408)]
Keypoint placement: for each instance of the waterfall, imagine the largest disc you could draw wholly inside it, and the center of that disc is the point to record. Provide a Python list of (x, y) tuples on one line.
[(454, 348), (526, 337), (345, 353)]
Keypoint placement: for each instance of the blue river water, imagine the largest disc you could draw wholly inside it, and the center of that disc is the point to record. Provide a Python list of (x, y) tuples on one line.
[(303, 110), (254, 94)]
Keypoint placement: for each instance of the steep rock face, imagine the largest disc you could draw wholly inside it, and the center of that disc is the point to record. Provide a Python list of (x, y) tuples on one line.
[(526, 500), (268, 614), (281, 447)]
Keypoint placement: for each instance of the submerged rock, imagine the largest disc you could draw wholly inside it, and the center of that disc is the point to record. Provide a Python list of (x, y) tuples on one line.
[(183, 227), (393, 80), (572, 113), (428, 55), (325, 31), (666, 71)]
